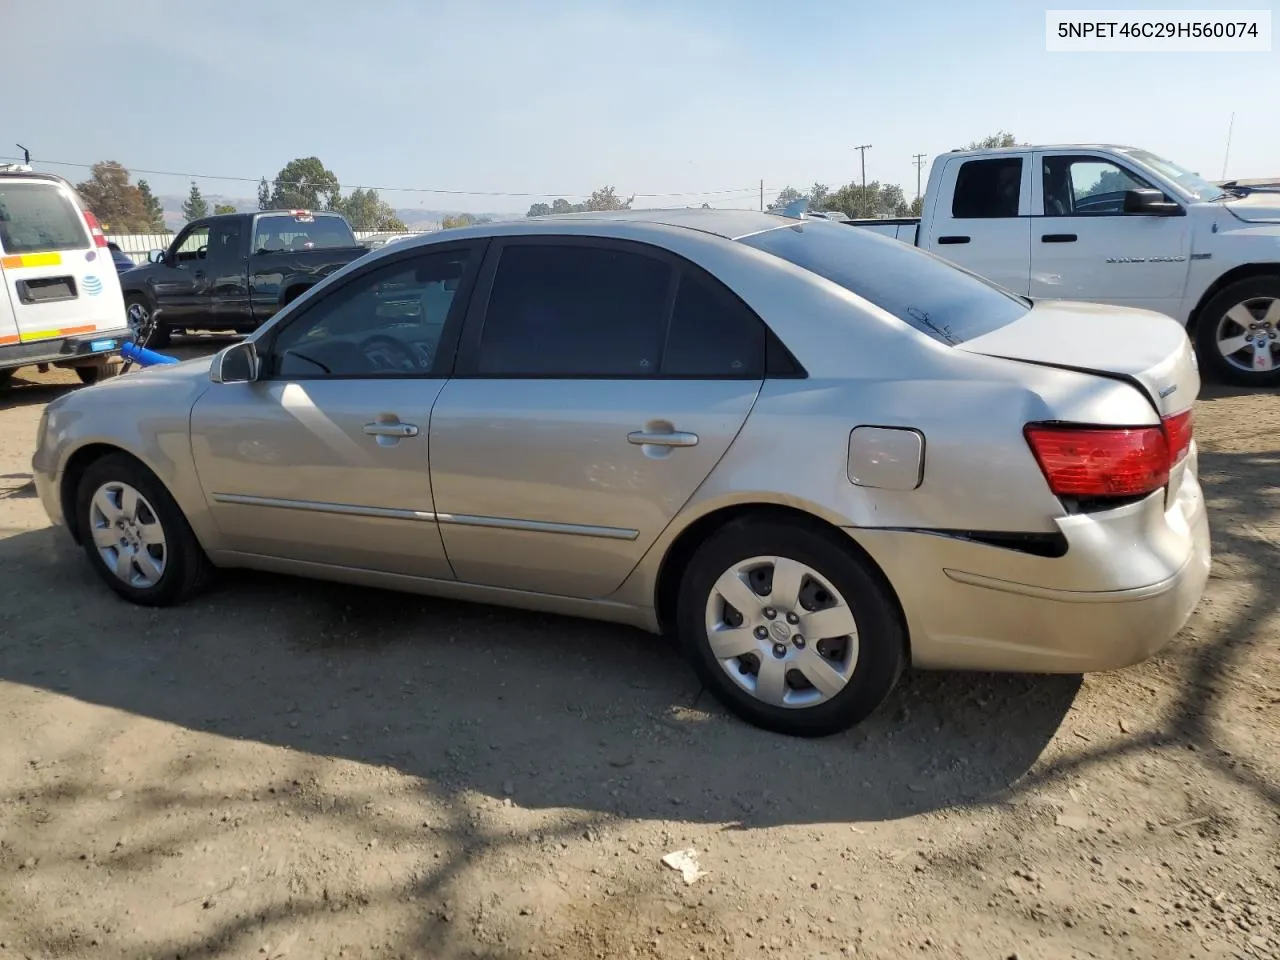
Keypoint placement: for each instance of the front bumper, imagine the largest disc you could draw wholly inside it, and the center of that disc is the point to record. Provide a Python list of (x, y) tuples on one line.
[(1129, 581), (66, 351)]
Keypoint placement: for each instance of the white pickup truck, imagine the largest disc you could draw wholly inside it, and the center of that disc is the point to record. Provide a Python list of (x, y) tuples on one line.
[(1115, 225)]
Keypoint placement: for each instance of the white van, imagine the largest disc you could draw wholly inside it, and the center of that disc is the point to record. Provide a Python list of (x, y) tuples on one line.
[(60, 300)]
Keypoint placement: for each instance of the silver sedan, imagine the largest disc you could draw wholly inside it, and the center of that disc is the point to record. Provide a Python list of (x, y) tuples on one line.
[(815, 454)]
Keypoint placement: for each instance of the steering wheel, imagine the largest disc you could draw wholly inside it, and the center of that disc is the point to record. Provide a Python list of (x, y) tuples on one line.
[(387, 353)]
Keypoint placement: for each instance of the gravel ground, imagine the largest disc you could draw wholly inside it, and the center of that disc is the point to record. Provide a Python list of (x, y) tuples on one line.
[(285, 768)]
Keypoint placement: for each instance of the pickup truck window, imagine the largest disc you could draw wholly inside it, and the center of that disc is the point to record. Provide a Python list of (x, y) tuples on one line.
[(937, 298), (1086, 186), (274, 233), (193, 245), (987, 188)]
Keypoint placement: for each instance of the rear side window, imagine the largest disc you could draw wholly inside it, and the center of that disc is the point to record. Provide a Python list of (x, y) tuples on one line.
[(575, 311), (276, 234), (713, 333), (987, 188), (937, 298), (39, 217)]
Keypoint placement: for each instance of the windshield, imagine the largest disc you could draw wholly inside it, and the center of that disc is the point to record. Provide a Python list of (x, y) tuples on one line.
[(1192, 183), (934, 296)]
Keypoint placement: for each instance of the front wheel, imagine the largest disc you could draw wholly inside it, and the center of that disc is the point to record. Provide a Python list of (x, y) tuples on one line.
[(1238, 333), (139, 317), (789, 628), (135, 535)]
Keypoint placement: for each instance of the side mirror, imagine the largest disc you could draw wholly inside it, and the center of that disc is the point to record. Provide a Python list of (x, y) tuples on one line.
[(1150, 202), (156, 256), (237, 363)]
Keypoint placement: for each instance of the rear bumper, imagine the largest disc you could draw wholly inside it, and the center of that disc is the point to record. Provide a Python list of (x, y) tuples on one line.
[(65, 351), (1129, 581)]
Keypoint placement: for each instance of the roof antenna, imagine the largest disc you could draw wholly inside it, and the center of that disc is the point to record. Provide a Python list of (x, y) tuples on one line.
[(26, 154)]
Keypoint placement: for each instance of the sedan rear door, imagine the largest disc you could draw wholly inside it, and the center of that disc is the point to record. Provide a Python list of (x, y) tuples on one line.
[(576, 426)]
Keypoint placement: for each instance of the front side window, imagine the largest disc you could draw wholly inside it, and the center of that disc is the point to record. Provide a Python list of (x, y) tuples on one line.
[(1082, 186), (575, 311), (386, 322), (193, 246), (987, 189), (37, 218)]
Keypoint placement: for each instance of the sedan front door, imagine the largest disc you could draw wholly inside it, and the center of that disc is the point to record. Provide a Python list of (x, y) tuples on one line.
[(575, 427), (324, 460)]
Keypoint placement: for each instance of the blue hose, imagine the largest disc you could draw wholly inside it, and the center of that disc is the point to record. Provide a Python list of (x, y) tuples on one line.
[(142, 356)]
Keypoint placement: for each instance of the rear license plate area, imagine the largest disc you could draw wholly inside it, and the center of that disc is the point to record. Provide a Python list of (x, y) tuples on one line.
[(97, 346), (46, 289)]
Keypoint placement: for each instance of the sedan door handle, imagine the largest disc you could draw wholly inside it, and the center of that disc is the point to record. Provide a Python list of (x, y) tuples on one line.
[(397, 429), (676, 438), (1058, 238)]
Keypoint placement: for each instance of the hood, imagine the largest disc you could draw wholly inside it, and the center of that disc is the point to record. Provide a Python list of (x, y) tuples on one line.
[(1256, 207), (1146, 348)]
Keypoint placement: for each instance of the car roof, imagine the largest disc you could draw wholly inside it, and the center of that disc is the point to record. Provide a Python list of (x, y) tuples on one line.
[(730, 224), (1028, 147)]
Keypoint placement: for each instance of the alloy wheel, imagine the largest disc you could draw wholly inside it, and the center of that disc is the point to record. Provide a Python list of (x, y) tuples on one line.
[(1248, 335), (128, 534)]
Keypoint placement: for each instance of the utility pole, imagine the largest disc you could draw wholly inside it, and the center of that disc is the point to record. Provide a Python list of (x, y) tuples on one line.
[(862, 150), (919, 158), (762, 194)]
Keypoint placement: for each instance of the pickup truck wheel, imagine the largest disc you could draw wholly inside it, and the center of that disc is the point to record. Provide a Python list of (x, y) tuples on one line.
[(138, 313), (99, 371), (1238, 333)]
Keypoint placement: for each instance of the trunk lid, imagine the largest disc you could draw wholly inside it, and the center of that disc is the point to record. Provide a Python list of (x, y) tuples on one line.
[(1145, 348)]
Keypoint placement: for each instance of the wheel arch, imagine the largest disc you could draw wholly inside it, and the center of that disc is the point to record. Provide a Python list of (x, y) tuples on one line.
[(680, 551), (80, 461), (1246, 271)]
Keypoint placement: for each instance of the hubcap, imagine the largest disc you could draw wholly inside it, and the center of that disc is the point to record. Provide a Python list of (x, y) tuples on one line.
[(137, 317), (128, 535), (1248, 335), (782, 632)]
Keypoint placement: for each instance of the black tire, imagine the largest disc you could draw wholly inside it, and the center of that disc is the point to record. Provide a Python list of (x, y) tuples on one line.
[(1206, 333), (98, 371), (6, 375), (159, 334), (881, 635), (186, 569)]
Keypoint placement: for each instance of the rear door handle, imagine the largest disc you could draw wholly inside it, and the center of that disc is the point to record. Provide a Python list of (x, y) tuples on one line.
[(1058, 238), (676, 438), (395, 429), (953, 239)]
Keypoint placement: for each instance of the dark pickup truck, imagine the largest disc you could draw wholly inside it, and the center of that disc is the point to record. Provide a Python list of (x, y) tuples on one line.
[(233, 271)]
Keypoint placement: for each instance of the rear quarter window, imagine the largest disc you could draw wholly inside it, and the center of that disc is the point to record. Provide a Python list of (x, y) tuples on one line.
[(273, 234), (38, 218), (937, 298)]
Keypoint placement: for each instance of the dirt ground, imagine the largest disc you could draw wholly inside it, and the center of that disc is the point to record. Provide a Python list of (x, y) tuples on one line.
[(285, 768)]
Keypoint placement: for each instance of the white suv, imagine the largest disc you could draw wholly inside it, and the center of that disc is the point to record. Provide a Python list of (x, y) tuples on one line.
[(60, 300)]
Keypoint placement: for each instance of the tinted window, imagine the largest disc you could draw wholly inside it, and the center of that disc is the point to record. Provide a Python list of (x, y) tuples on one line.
[(387, 322), (987, 188), (224, 242), (575, 311), (36, 217), (935, 297), (281, 232), (713, 333)]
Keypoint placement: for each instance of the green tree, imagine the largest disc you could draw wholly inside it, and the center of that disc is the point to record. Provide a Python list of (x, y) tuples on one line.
[(264, 194), (119, 206), (1001, 138), (603, 199), (195, 206), (221, 208), (917, 207), (877, 200), (365, 210), (819, 196), (306, 184), (539, 210), (786, 195), (155, 212), (457, 220)]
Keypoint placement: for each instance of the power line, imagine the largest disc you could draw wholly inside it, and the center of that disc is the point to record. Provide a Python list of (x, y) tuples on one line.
[(431, 190)]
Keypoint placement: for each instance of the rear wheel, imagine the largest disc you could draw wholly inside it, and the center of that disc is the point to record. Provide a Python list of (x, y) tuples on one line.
[(789, 628), (1238, 333), (6, 375), (99, 371), (135, 535)]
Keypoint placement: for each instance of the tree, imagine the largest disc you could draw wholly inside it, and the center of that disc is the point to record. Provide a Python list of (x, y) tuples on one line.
[(221, 208), (1001, 138), (539, 210), (155, 212), (119, 206), (819, 196), (195, 207), (603, 199), (264, 194), (917, 207), (306, 184), (786, 195), (365, 210), (458, 220)]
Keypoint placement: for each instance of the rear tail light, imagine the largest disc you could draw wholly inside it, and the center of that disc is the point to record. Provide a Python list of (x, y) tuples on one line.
[(1087, 461), (99, 238)]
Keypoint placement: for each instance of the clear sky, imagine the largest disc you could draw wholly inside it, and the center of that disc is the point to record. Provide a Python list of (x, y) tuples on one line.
[(697, 98)]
